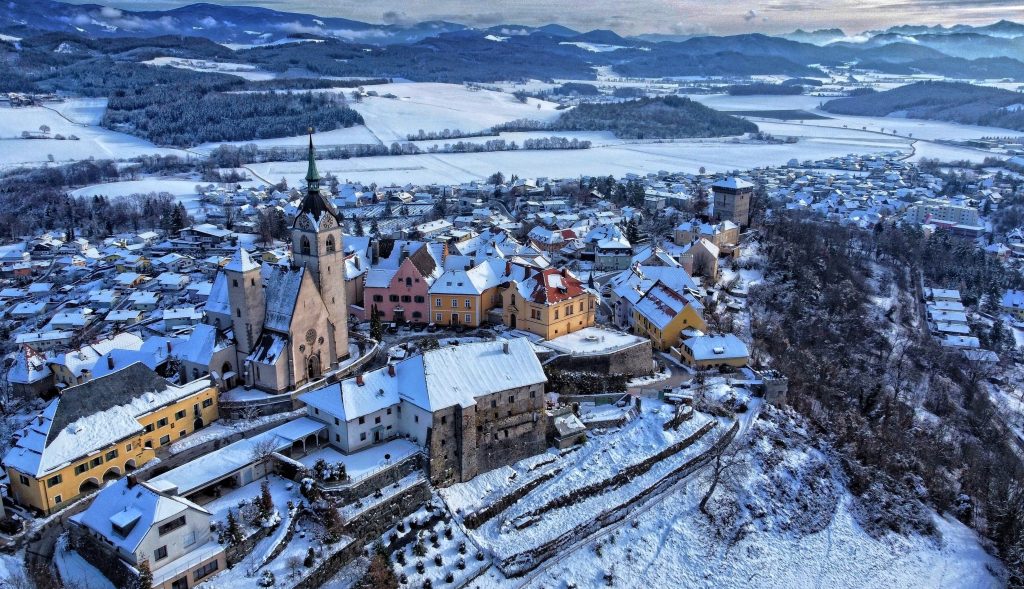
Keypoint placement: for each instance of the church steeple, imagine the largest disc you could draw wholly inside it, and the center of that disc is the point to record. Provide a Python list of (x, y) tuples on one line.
[(312, 175)]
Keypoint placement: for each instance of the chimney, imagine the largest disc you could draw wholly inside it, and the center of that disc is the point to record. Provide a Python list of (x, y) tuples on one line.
[(403, 253), (132, 480), (357, 263), (110, 362), (374, 252), (391, 369), (169, 346), (359, 380), (504, 347), (508, 268), (564, 272)]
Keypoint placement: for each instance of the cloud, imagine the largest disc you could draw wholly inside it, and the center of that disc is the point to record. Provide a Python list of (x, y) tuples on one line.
[(750, 15), (108, 12), (690, 28), (208, 22), (396, 17)]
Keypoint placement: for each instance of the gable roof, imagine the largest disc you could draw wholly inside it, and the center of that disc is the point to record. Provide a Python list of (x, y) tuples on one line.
[(550, 286), (92, 416), (660, 305), (282, 292)]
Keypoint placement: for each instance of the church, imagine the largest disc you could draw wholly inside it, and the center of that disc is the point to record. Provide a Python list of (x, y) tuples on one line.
[(278, 327)]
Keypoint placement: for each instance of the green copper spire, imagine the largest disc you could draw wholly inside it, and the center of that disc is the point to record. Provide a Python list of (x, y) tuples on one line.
[(312, 175)]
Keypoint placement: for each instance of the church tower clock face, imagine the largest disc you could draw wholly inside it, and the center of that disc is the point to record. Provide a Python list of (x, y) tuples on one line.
[(310, 336)]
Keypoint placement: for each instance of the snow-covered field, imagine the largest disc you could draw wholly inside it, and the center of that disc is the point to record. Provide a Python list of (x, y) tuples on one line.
[(715, 155), (435, 107), (93, 141), (345, 136), (183, 191), (242, 70)]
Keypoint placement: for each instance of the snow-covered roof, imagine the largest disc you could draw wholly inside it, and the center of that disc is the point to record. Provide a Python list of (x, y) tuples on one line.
[(218, 301), (732, 183), (241, 261), (660, 305), (282, 293), (91, 416), (123, 512), (716, 347)]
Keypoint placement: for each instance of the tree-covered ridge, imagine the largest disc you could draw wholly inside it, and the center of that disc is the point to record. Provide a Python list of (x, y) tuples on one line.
[(653, 118), (957, 102)]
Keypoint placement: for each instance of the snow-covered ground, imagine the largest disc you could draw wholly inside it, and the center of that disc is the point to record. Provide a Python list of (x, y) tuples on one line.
[(74, 570), (435, 107), (459, 555), (366, 462), (781, 520), (344, 136), (93, 141), (184, 191), (242, 70)]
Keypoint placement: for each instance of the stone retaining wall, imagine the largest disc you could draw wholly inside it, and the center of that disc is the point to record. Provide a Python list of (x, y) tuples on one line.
[(636, 360), (524, 562)]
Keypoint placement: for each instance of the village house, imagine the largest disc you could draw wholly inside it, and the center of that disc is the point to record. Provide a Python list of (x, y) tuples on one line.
[(713, 351), (98, 431), (664, 315), (398, 287), (473, 407), (131, 522), (549, 303)]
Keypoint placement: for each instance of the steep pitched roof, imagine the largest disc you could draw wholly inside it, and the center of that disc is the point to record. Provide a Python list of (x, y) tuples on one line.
[(550, 286), (241, 261), (282, 293)]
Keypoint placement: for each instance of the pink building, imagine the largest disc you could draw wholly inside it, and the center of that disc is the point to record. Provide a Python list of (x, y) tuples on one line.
[(398, 285)]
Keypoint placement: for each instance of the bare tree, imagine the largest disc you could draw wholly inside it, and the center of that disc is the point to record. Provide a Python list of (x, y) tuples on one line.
[(723, 461), (262, 449)]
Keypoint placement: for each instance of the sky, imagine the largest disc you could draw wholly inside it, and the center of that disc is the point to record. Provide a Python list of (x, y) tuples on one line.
[(633, 17)]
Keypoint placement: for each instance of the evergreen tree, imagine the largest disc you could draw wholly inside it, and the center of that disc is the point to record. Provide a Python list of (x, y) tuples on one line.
[(145, 580), (376, 326), (233, 531), (359, 231), (266, 502)]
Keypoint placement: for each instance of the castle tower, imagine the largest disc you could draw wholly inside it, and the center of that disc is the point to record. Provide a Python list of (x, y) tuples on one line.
[(317, 246), (247, 299), (732, 200)]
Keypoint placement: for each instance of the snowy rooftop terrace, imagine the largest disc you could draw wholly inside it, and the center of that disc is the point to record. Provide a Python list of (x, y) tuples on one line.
[(592, 341)]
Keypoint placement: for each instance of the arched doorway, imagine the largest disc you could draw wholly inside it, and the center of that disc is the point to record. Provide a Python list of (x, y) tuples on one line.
[(228, 374), (88, 485), (313, 366), (130, 465), (198, 423), (512, 321), (112, 474)]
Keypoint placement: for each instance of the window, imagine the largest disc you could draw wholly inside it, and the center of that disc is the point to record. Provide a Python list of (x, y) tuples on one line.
[(556, 313), (149, 427), (235, 283), (469, 318), (96, 462), (438, 318), (330, 244), (389, 410), (378, 298), (362, 420), (304, 245), (455, 303), (160, 553), (180, 414), (408, 281), (444, 419), (533, 394), (336, 420), (81, 468), (182, 433), (23, 479), (238, 312), (437, 303), (337, 437), (54, 480), (406, 299), (511, 398), (362, 436), (58, 500), (189, 539), (376, 419), (493, 403), (468, 305), (162, 422), (418, 299), (415, 419), (128, 448), (393, 298), (205, 570), (165, 440), (581, 306), (207, 402), (172, 525)]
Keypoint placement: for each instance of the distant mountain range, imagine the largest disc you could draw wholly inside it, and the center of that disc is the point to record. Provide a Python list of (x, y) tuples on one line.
[(451, 52)]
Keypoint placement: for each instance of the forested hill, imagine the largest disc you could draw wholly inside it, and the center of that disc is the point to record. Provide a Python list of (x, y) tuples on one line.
[(942, 101), (653, 118)]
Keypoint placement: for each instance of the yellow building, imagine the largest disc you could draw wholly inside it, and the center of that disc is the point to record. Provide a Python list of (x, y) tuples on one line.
[(663, 314), (100, 430), (463, 297), (714, 351), (550, 303)]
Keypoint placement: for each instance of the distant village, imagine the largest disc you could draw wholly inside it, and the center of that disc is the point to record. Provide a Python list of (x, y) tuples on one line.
[(182, 401)]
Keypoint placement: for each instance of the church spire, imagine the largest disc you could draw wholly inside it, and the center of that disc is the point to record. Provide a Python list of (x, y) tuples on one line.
[(312, 175)]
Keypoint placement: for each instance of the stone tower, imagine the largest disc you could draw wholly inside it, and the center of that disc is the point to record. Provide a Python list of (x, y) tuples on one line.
[(247, 299), (732, 200), (317, 246)]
